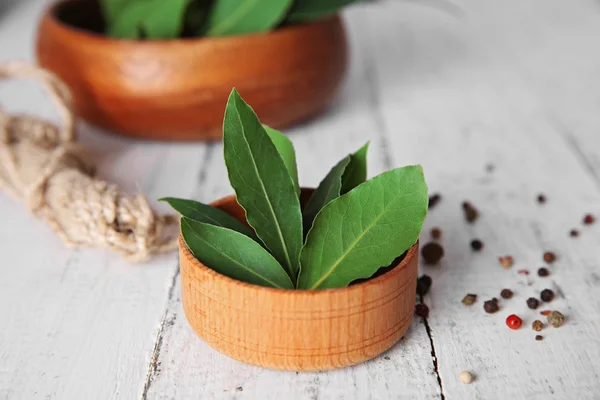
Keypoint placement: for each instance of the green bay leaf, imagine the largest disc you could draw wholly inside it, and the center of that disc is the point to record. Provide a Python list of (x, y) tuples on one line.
[(232, 254), (328, 189), (356, 171), (237, 17), (285, 147), (156, 19), (262, 183), (365, 229), (310, 10), (200, 212)]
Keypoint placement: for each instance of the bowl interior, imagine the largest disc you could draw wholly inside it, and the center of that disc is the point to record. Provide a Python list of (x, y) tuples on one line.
[(80, 14)]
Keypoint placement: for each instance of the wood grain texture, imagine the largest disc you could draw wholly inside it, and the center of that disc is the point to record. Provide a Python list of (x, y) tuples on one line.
[(297, 330), (177, 89)]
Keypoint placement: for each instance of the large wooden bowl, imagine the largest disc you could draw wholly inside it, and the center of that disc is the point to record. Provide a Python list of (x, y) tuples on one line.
[(299, 330), (177, 89)]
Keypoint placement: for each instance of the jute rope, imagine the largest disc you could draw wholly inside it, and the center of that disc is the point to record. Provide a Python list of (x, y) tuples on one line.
[(42, 166)]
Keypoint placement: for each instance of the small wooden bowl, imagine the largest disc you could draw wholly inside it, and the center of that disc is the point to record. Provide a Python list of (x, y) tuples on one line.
[(298, 330), (177, 89)]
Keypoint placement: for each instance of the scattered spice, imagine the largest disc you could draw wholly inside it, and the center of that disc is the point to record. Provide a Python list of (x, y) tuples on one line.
[(466, 377), (547, 295), (574, 233), (386, 358), (422, 310), (506, 261), (543, 272), (545, 312), (589, 219), (476, 244), (533, 303), (239, 389), (537, 325), (434, 199), (556, 319), (491, 306), (432, 253), (523, 272), (541, 198), (469, 299), (436, 233), (539, 338), (471, 213), (549, 257), (423, 285), (506, 293), (514, 321)]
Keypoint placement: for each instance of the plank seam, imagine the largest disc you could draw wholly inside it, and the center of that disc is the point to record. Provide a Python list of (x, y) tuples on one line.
[(433, 355)]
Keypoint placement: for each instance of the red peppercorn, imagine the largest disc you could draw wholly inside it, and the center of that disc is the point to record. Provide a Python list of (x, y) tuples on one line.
[(514, 322), (588, 219), (422, 310)]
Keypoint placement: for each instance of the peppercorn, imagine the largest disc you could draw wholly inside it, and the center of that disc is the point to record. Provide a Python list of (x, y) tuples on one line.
[(539, 338), (506, 293), (574, 233), (466, 377), (434, 200), (547, 295), (436, 233), (386, 358), (514, 321), (541, 198), (491, 306), (549, 257), (506, 261), (422, 310), (543, 272), (589, 219), (432, 253), (471, 213), (239, 389), (469, 299), (533, 303), (523, 272), (476, 244), (423, 285), (537, 325), (545, 312), (556, 319)]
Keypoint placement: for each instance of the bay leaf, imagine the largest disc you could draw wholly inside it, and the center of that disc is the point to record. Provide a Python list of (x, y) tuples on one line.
[(356, 171), (364, 229), (328, 189), (285, 147), (200, 212), (310, 10), (157, 19), (262, 183), (232, 254), (237, 17)]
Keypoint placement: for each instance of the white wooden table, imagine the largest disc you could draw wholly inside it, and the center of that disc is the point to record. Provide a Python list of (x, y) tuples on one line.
[(456, 86)]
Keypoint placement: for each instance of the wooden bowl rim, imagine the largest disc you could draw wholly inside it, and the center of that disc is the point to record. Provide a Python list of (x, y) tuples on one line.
[(49, 15), (410, 254)]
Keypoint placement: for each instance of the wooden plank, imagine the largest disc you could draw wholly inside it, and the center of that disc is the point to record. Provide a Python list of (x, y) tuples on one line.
[(459, 94), (80, 324), (187, 368)]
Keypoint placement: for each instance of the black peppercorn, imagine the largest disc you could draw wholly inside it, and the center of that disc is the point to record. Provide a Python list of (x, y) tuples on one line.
[(422, 310), (491, 306), (476, 245), (471, 213), (574, 233), (533, 303), (434, 200), (543, 272), (423, 285), (432, 253), (541, 198), (436, 233), (506, 293), (547, 295)]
